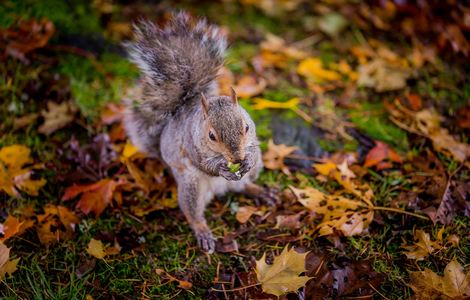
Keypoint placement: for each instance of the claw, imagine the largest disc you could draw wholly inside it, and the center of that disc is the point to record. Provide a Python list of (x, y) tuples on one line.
[(206, 241)]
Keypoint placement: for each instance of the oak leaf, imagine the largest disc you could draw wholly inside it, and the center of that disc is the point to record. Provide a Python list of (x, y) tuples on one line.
[(95, 197), (455, 284), (7, 266), (283, 275), (14, 175), (274, 158)]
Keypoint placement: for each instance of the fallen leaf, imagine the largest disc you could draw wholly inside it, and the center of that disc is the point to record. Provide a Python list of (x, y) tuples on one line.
[(25, 120), (95, 197), (56, 223), (379, 154), (274, 158), (57, 116), (260, 104), (248, 86), (112, 113), (13, 175), (382, 76), (423, 247), (181, 283), (312, 68), (351, 217), (7, 266), (289, 221), (283, 275), (332, 23), (225, 80), (455, 284), (96, 248), (244, 213), (9, 228)]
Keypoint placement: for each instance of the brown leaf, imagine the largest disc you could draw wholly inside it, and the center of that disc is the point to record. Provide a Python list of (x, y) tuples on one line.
[(112, 113), (379, 153), (25, 120), (274, 158), (249, 86), (283, 275), (423, 247), (95, 197), (13, 175), (57, 223), (455, 284), (7, 266), (244, 213), (9, 228), (57, 116), (289, 221)]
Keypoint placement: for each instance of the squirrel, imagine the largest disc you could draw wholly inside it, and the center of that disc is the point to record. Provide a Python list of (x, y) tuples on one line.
[(181, 119)]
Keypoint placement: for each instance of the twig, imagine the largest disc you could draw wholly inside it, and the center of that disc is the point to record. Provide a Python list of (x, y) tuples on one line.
[(372, 287), (238, 289), (400, 211)]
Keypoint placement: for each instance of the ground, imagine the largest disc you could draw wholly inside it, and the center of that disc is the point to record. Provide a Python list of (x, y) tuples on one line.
[(364, 78)]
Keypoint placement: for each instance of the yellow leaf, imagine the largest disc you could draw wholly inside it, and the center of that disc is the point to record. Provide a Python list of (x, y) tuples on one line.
[(130, 152), (455, 284), (13, 176), (312, 68), (261, 104), (283, 275), (96, 249), (244, 213)]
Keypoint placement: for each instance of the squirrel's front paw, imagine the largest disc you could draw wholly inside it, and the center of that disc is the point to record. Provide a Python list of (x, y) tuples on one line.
[(224, 171), (205, 241)]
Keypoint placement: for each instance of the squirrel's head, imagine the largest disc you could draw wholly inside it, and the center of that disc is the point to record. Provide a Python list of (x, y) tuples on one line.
[(225, 126)]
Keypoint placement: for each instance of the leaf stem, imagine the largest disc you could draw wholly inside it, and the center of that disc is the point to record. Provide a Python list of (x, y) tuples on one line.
[(237, 289), (400, 211)]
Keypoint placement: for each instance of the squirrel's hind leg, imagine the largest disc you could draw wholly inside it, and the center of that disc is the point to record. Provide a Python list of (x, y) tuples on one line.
[(192, 199)]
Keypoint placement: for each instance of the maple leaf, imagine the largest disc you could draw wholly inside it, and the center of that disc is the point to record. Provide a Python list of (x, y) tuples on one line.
[(56, 223), (95, 197), (7, 266), (9, 228), (57, 116), (283, 275), (337, 212), (13, 175), (248, 86), (274, 158), (455, 284), (378, 154), (424, 246)]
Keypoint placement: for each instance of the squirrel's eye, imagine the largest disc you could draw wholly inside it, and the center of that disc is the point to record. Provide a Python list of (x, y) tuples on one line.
[(212, 136), (247, 128)]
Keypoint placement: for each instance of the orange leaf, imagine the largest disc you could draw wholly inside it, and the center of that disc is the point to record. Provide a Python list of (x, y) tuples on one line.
[(95, 197), (379, 153), (249, 86), (9, 228)]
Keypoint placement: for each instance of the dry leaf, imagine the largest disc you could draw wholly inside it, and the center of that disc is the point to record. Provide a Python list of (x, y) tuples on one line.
[(95, 197), (378, 154), (351, 217), (381, 76), (274, 158), (455, 284), (57, 223), (312, 68), (225, 80), (260, 104), (244, 213), (57, 116), (248, 86), (96, 248), (7, 266), (283, 275), (13, 176), (423, 247), (112, 113)]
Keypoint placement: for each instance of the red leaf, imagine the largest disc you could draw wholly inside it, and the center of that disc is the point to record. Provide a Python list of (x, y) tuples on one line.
[(379, 153)]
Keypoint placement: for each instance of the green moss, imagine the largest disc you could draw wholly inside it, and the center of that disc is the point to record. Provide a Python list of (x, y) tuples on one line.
[(373, 121)]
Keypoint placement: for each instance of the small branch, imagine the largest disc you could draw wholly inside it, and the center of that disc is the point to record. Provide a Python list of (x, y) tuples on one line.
[(238, 289), (400, 211)]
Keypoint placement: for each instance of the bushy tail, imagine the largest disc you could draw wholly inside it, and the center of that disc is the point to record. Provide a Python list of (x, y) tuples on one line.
[(179, 62)]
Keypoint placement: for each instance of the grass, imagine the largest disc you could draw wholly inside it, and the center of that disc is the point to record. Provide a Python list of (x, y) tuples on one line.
[(163, 240)]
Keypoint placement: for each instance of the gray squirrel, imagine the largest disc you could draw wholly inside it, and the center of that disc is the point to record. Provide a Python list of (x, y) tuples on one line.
[(181, 119)]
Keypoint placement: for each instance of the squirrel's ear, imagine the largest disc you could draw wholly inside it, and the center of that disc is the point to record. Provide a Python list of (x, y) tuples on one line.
[(205, 105), (234, 96)]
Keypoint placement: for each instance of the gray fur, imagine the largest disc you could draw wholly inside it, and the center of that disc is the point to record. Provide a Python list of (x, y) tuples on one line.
[(179, 63)]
